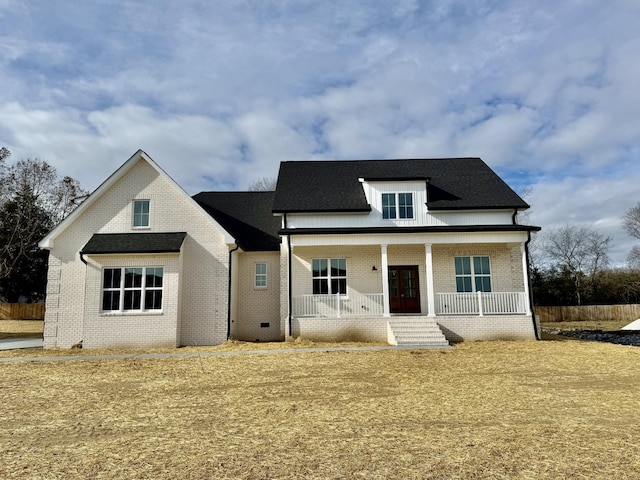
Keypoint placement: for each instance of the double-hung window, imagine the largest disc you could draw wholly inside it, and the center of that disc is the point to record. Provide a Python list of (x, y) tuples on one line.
[(329, 276), (473, 274), (141, 213), (132, 289), (397, 205), (260, 280)]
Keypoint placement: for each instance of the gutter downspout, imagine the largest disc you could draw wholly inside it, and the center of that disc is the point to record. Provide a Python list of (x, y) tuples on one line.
[(229, 291), (289, 281), (84, 295)]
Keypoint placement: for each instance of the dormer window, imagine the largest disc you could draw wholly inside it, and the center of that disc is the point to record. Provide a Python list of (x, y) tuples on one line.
[(140, 213), (397, 205)]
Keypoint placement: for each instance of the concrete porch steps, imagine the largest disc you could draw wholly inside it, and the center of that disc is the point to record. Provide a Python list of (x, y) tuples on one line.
[(418, 331)]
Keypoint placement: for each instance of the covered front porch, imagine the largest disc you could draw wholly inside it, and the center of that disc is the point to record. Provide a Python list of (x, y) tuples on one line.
[(357, 289)]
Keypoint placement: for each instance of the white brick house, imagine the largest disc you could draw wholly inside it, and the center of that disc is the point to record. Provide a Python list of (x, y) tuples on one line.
[(402, 251)]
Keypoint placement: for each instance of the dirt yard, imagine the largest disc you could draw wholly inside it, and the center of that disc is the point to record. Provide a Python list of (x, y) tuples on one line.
[(21, 329), (604, 325), (531, 410)]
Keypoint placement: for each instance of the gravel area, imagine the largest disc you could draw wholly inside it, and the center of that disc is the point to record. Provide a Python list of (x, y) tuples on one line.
[(621, 337)]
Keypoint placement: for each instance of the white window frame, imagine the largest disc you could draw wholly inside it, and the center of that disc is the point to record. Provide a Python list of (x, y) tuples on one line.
[(121, 290), (260, 276), (473, 275), (135, 215), (329, 278), (395, 205)]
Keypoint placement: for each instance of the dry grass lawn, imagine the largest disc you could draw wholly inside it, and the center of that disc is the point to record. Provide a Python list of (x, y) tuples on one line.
[(531, 410)]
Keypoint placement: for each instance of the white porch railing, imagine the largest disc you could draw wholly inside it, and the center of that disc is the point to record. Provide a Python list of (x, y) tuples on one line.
[(481, 303), (371, 304), (352, 305)]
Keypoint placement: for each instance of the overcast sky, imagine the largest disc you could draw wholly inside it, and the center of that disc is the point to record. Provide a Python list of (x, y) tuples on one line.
[(218, 92)]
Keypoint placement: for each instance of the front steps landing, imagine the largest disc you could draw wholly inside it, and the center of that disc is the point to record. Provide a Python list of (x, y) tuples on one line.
[(418, 331)]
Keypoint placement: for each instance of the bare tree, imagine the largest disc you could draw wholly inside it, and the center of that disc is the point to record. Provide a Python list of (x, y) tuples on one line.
[(631, 221), (525, 215), (264, 184), (39, 178), (582, 251), (33, 199), (634, 257)]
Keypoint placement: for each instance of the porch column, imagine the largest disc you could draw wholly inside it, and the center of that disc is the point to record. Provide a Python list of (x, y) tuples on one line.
[(431, 298), (385, 281), (525, 270)]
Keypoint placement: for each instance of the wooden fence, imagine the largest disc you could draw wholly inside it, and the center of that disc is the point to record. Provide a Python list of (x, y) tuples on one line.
[(585, 313), (21, 311)]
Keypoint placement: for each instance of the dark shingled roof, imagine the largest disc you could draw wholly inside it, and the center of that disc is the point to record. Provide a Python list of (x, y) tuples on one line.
[(247, 216), (333, 186), (111, 243)]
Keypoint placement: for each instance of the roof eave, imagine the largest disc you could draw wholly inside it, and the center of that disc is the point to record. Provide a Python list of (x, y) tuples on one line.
[(403, 230), (485, 207), (140, 252), (343, 210)]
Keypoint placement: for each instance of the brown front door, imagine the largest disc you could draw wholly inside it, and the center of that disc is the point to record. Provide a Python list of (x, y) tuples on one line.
[(404, 291)]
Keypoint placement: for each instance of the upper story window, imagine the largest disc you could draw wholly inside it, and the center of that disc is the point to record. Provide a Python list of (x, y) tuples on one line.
[(329, 276), (397, 205), (132, 289), (140, 213), (473, 274)]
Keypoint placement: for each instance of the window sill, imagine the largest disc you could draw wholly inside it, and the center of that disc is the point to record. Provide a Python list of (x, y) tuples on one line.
[(147, 313), (326, 295)]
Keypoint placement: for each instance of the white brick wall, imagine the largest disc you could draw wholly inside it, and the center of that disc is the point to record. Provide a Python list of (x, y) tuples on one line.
[(488, 327), (361, 280), (257, 306), (363, 329), (201, 315), (506, 265), (109, 330)]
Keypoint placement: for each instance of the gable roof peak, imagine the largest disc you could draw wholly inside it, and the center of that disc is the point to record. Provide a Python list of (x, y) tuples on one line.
[(140, 155)]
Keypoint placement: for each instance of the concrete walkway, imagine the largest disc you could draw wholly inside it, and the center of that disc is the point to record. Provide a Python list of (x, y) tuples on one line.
[(13, 343), (210, 354)]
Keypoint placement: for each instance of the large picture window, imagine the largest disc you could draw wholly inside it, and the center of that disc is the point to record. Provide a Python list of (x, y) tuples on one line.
[(329, 276), (473, 274), (397, 205), (132, 289)]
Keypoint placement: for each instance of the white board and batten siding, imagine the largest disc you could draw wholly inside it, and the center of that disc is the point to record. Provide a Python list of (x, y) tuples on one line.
[(421, 216)]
